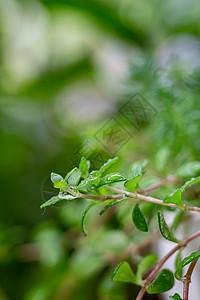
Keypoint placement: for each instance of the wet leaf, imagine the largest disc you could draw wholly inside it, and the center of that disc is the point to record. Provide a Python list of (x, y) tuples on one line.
[(163, 282), (185, 262), (73, 177), (112, 203), (111, 178), (164, 229), (139, 219), (84, 167), (108, 164), (56, 199), (131, 184)]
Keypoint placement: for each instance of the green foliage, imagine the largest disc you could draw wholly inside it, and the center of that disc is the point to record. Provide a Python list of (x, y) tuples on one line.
[(145, 264), (175, 297), (137, 167), (139, 219), (131, 184), (124, 273), (84, 167), (44, 68), (112, 203), (193, 256), (176, 196), (163, 282), (84, 230), (164, 229)]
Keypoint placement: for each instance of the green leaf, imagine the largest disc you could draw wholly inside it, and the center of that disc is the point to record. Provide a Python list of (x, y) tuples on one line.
[(176, 196), (73, 177), (139, 219), (83, 227), (137, 167), (58, 181), (132, 183), (145, 264), (56, 199), (177, 263), (124, 273), (189, 182), (108, 164), (163, 282), (84, 167), (164, 229), (185, 262), (112, 203), (175, 297), (111, 178), (92, 179), (189, 170)]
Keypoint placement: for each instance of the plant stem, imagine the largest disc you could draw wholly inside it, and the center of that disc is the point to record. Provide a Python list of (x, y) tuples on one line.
[(163, 260), (187, 279), (119, 196), (169, 179), (149, 199)]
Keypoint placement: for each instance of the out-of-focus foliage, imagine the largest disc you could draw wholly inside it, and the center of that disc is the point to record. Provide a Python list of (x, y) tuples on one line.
[(66, 68)]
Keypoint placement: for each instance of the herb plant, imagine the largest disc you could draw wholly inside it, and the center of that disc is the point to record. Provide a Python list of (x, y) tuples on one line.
[(109, 189)]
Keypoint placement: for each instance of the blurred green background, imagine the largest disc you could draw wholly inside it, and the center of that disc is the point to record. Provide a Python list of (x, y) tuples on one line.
[(67, 68)]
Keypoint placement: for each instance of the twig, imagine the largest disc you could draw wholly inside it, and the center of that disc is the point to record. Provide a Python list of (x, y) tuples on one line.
[(187, 279), (163, 260), (169, 179), (119, 196), (149, 199)]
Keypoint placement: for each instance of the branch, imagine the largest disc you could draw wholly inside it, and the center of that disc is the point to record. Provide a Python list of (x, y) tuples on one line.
[(163, 260), (187, 278), (169, 179), (149, 199)]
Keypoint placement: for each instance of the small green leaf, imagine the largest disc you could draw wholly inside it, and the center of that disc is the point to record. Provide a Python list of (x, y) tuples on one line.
[(56, 199), (56, 177), (175, 198), (185, 262), (163, 282), (137, 167), (175, 297), (84, 167), (132, 183), (58, 181), (83, 227), (189, 182), (108, 164), (73, 177), (124, 273), (111, 178), (92, 179), (112, 203), (139, 219), (177, 263), (145, 264), (164, 229)]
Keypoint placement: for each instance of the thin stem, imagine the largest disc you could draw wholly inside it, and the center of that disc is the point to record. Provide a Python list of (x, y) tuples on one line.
[(187, 278), (163, 260), (169, 179), (119, 196), (149, 199)]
